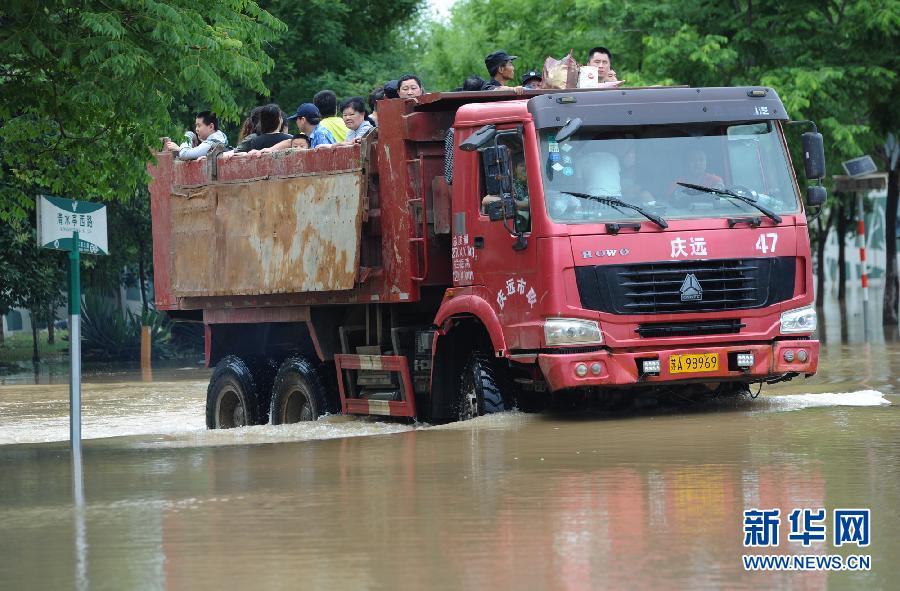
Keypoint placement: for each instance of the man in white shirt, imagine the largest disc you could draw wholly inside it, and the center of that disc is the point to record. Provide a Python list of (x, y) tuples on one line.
[(206, 127)]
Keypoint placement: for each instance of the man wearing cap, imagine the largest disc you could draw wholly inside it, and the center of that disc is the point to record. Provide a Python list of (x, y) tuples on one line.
[(308, 119), (500, 66), (532, 80)]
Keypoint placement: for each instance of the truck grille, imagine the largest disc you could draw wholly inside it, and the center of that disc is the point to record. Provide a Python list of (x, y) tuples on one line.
[(688, 329), (686, 286)]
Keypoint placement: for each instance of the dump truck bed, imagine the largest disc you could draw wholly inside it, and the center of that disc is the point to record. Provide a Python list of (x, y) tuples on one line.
[(336, 225)]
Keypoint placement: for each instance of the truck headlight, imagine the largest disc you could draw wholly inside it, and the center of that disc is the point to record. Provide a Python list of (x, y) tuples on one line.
[(799, 320), (568, 331)]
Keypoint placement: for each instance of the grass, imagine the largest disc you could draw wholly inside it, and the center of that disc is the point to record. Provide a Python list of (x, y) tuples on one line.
[(19, 347)]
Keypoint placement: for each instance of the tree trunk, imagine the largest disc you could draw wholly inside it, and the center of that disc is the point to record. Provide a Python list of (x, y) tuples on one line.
[(820, 258), (891, 294), (51, 336), (35, 356), (2, 336), (142, 274), (842, 251)]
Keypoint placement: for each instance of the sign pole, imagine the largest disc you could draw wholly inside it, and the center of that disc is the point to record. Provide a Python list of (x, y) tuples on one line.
[(75, 356), (863, 270)]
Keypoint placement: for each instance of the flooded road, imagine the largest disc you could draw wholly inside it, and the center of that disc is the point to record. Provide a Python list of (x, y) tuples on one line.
[(635, 499)]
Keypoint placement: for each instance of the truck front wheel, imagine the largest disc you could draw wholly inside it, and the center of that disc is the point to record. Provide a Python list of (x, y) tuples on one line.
[(479, 391), (231, 399), (298, 394)]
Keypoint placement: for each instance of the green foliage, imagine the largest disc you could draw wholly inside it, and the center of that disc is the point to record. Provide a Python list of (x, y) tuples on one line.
[(834, 62), (348, 47), (109, 335), (30, 277), (19, 347), (130, 247), (86, 87)]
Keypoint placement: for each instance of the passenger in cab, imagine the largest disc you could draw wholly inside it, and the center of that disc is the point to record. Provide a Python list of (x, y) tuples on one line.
[(695, 172), (326, 102), (631, 187), (308, 121), (500, 66), (410, 86), (270, 130), (206, 127), (353, 110), (601, 58)]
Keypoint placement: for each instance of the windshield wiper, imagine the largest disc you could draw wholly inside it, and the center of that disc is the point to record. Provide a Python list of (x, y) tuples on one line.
[(616, 202), (729, 193)]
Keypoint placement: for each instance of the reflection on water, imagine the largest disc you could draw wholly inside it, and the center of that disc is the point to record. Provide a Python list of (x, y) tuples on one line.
[(551, 501)]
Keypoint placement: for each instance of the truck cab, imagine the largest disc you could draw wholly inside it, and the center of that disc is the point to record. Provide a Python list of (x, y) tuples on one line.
[(662, 240)]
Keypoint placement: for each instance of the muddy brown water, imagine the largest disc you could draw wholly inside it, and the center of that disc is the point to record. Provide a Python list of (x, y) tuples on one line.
[(634, 499)]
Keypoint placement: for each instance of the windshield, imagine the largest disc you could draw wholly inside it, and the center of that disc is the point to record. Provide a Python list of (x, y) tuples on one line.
[(644, 165)]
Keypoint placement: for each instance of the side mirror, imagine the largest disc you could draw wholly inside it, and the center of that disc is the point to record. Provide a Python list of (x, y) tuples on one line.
[(815, 195), (569, 129), (479, 139), (814, 155), (503, 209)]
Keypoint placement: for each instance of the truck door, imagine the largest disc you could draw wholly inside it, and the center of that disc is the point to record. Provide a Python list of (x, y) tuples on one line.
[(483, 249)]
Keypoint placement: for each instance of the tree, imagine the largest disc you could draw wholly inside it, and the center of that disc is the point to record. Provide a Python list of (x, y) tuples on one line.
[(33, 278), (130, 240), (835, 62), (348, 47), (86, 87), (890, 158)]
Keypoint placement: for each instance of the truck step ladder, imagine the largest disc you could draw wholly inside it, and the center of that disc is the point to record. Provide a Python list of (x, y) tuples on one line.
[(354, 404), (414, 203)]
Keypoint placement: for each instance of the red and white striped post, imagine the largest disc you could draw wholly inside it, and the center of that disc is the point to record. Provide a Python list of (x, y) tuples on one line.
[(863, 266)]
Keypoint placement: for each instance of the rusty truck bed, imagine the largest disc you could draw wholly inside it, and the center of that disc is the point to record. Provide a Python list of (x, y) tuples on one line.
[(335, 225)]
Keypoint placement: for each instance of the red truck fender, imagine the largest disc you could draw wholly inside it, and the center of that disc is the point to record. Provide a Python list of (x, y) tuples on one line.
[(472, 306)]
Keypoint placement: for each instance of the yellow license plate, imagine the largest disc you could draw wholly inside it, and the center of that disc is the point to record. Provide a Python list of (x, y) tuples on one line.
[(695, 363)]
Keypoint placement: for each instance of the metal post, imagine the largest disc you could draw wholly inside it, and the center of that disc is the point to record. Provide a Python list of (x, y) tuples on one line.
[(863, 270), (75, 352)]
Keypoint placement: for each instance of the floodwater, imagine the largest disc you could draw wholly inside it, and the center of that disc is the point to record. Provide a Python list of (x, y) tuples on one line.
[(649, 498)]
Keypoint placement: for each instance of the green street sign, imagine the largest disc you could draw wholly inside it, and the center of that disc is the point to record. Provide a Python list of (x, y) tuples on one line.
[(58, 219)]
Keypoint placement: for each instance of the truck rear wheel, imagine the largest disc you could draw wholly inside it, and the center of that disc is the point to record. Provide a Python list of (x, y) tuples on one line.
[(298, 394), (479, 390), (231, 398)]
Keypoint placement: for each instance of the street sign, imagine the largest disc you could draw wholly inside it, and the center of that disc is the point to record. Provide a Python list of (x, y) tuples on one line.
[(58, 219), (75, 226), (859, 166)]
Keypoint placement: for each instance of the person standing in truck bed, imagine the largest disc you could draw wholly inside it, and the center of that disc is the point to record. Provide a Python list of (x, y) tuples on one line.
[(601, 58), (270, 124), (353, 110), (500, 66), (308, 119), (207, 129), (326, 102)]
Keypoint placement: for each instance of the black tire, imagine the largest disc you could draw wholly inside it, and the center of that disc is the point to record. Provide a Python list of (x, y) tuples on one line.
[(231, 398), (298, 393), (479, 389)]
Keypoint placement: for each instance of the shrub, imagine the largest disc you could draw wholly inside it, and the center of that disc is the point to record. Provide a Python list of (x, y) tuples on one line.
[(107, 334)]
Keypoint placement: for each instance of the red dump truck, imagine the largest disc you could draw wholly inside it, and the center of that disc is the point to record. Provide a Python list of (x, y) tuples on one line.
[(484, 249)]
